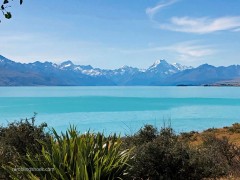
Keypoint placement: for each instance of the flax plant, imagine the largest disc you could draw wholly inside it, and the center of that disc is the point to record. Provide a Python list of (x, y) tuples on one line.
[(77, 157)]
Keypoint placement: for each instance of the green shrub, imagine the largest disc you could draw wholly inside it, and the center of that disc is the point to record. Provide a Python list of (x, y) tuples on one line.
[(211, 130), (225, 153), (160, 158), (146, 134), (75, 156), (235, 128), (188, 135), (168, 157), (19, 137)]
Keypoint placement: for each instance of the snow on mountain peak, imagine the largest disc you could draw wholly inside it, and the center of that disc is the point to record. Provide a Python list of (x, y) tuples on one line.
[(92, 72), (181, 67), (125, 67), (157, 62), (4, 59), (66, 64)]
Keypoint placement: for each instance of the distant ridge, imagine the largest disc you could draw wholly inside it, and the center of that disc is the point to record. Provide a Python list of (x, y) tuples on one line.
[(161, 73)]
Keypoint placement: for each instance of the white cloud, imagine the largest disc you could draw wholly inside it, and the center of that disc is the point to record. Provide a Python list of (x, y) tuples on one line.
[(190, 51), (237, 30), (184, 51), (202, 25), (153, 10)]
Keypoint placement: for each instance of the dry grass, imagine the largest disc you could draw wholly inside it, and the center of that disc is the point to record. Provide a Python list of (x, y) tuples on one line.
[(232, 133)]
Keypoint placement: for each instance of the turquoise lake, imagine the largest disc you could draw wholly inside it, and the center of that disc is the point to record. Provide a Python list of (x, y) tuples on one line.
[(122, 109)]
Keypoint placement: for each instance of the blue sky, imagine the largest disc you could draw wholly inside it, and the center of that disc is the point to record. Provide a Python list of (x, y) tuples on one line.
[(113, 33)]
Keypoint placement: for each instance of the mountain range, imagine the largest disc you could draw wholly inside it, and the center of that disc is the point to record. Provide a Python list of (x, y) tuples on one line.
[(161, 73)]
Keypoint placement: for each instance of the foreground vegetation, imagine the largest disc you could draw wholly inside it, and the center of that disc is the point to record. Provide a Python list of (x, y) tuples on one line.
[(28, 151)]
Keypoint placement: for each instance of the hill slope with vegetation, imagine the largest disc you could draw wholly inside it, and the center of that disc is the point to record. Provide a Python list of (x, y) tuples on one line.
[(150, 153)]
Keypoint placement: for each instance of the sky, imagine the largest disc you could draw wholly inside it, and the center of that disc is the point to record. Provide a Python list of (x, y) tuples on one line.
[(113, 33)]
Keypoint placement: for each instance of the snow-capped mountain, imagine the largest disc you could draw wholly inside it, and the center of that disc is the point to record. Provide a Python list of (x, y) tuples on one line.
[(181, 67), (166, 68), (87, 70), (67, 73), (66, 65), (162, 67), (3, 59)]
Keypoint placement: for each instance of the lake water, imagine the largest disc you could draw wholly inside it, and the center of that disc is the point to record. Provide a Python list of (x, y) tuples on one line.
[(122, 109)]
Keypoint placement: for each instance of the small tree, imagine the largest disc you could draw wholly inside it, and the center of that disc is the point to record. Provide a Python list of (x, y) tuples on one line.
[(18, 138), (4, 8), (166, 156)]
